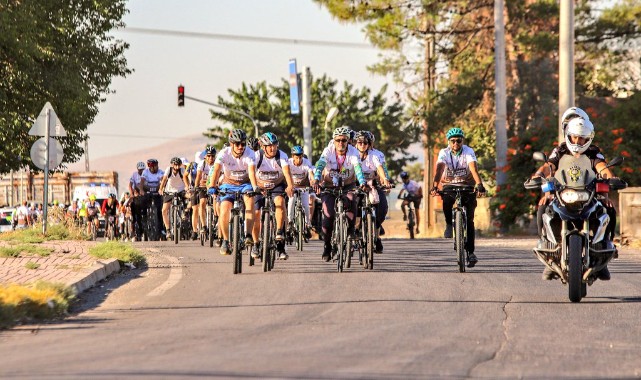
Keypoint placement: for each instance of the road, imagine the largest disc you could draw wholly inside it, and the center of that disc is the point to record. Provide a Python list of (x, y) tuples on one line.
[(414, 316)]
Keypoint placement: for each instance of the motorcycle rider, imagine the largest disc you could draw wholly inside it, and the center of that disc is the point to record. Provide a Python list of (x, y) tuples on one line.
[(579, 134), (458, 163)]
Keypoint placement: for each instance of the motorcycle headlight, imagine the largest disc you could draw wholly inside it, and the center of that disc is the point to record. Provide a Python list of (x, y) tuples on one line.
[(573, 196)]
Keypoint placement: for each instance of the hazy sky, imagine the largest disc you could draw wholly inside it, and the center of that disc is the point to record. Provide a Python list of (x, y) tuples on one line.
[(145, 102)]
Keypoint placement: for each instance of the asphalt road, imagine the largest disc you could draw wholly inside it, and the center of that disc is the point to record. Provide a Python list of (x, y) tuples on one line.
[(413, 316)]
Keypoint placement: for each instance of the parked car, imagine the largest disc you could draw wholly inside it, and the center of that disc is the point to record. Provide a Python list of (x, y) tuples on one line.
[(5, 216)]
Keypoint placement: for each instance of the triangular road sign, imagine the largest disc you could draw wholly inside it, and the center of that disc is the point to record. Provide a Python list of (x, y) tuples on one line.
[(55, 126)]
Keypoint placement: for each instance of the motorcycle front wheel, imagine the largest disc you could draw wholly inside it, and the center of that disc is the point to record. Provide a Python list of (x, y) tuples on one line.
[(576, 288)]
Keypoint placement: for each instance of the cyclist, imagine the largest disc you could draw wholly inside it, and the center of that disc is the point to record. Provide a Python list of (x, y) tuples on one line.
[(109, 209), (201, 186), (93, 210), (253, 144), (456, 164), (190, 181), (302, 172), (172, 182), (375, 176), (338, 163), (125, 213), (412, 192), (134, 180), (149, 185), (272, 173), (134, 188), (239, 171)]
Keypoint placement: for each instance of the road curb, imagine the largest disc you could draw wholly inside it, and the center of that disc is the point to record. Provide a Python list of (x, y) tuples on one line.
[(88, 278)]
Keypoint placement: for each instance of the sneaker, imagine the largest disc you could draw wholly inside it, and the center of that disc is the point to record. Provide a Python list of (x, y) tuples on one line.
[(219, 242), (327, 252), (280, 235), (603, 274), (417, 231), (308, 232), (249, 240), (448, 232), (282, 255), (379, 246), (224, 248), (194, 236), (404, 218), (381, 231), (549, 274), (255, 254), (471, 260)]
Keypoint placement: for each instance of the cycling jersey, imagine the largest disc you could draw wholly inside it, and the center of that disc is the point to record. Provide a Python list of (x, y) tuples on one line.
[(109, 209), (270, 173), (330, 165), (300, 174), (175, 182), (381, 158), (192, 169), (135, 179), (152, 180), (411, 187), (92, 208), (235, 170), (204, 168), (369, 165), (457, 165)]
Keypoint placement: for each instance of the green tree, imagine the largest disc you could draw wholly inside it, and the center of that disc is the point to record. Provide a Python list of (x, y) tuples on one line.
[(359, 108), (59, 52)]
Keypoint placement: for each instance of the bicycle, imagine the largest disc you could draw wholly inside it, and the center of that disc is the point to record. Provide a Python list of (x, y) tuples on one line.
[(341, 244), (152, 224), (268, 232), (297, 228), (459, 220), (236, 228), (175, 214), (411, 214), (369, 233), (211, 220), (110, 225)]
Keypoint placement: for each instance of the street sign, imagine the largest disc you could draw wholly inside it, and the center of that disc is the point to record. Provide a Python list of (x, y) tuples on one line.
[(39, 153), (294, 99), (55, 126)]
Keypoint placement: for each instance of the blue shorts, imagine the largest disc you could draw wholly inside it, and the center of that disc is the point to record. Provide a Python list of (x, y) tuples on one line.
[(244, 188)]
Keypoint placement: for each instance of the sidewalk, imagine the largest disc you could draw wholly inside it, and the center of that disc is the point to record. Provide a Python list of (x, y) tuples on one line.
[(69, 263)]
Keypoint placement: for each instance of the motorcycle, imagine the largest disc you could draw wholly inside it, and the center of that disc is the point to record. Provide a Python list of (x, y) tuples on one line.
[(575, 245)]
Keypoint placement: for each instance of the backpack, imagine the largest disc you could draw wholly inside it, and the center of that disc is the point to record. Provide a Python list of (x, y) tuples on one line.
[(260, 159)]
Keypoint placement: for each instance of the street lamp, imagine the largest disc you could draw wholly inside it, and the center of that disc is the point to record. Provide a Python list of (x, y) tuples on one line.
[(330, 116)]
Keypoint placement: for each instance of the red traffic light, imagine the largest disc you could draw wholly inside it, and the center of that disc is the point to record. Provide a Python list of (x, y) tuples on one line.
[(181, 96)]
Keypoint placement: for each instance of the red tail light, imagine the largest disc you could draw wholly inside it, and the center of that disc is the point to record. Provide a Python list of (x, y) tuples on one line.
[(602, 187)]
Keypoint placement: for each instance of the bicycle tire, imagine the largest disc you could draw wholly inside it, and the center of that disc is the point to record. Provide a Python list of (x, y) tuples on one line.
[(210, 226), (236, 248), (272, 248), (459, 239), (411, 222), (176, 225), (264, 225), (300, 225), (370, 241), (342, 234)]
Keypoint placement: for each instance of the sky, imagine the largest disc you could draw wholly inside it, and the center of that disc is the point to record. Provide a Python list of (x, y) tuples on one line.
[(143, 111)]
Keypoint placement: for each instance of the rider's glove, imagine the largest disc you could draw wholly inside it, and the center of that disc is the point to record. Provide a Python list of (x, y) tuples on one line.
[(480, 188), (255, 188), (212, 190)]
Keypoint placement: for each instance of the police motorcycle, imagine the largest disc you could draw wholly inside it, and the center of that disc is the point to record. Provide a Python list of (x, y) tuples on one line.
[(575, 222)]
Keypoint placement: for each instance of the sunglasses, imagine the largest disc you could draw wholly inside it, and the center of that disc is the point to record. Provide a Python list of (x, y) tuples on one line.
[(242, 143), (341, 141), (362, 142), (456, 141)]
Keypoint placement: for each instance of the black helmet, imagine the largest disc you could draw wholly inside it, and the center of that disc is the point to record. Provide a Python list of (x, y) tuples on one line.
[(363, 135), (176, 161), (237, 135), (210, 151), (252, 142), (152, 162), (404, 175)]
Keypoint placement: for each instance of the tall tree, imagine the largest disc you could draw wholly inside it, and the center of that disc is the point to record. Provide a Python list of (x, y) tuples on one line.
[(359, 108), (59, 52)]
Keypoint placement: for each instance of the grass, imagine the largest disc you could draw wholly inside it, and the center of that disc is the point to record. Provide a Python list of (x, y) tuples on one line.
[(29, 249), (40, 301), (32, 265), (124, 252), (54, 232)]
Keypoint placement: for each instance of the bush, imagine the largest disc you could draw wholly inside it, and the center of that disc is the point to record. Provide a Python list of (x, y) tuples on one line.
[(42, 300), (124, 252)]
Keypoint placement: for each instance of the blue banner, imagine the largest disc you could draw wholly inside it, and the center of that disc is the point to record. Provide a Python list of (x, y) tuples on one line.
[(294, 100)]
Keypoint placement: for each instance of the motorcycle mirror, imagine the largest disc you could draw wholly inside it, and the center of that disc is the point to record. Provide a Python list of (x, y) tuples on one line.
[(539, 156), (618, 160)]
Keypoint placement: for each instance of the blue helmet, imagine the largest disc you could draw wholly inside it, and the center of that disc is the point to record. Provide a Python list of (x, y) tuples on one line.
[(268, 138), (455, 132), (297, 149)]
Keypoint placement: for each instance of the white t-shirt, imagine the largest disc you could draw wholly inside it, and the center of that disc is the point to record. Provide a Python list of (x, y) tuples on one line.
[(204, 168), (369, 165), (342, 167), (152, 181), (300, 174), (235, 170), (270, 173), (135, 179), (457, 166), (411, 187), (174, 181)]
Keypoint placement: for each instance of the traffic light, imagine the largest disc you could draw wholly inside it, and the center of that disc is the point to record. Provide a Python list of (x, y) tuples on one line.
[(181, 96)]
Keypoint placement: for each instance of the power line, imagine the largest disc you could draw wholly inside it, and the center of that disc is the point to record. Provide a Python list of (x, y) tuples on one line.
[(233, 37), (150, 137)]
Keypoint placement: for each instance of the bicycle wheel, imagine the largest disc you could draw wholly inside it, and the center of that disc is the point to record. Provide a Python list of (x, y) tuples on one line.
[(176, 224), (201, 234), (272, 248), (342, 237), (236, 251), (210, 227), (411, 222), (300, 225), (371, 235), (458, 239), (264, 225)]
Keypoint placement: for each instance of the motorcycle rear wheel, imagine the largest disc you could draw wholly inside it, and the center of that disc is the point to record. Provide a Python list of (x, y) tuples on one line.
[(576, 288)]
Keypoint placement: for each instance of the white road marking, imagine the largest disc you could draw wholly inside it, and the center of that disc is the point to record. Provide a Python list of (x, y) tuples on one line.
[(175, 275)]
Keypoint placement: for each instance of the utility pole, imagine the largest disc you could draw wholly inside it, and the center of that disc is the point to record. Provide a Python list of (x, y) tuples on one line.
[(307, 111), (566, 60), (500, 123), (428, 210)]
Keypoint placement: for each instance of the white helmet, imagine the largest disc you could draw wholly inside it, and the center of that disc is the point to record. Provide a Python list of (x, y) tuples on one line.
[(581, 128), (184, 160), (140, 165), (571, 113)]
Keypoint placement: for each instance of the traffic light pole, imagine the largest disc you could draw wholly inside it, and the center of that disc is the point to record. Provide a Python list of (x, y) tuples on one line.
[(227, 109)]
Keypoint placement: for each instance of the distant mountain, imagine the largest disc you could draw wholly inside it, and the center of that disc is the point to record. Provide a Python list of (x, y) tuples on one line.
[(125, 163)]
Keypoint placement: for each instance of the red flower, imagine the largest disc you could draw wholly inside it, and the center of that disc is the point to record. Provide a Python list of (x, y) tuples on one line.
[(618, 141), (628, 169), (528, 147), (502, 206), (534, 138), (626, 154)]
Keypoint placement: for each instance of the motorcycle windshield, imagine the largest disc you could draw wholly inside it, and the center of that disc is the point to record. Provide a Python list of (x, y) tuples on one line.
[(575, 172)]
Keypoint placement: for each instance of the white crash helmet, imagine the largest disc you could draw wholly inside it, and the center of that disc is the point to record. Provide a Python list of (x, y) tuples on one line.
[(184, 160), (199, 157), (581, 128), (140, 165), (571, 113)]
